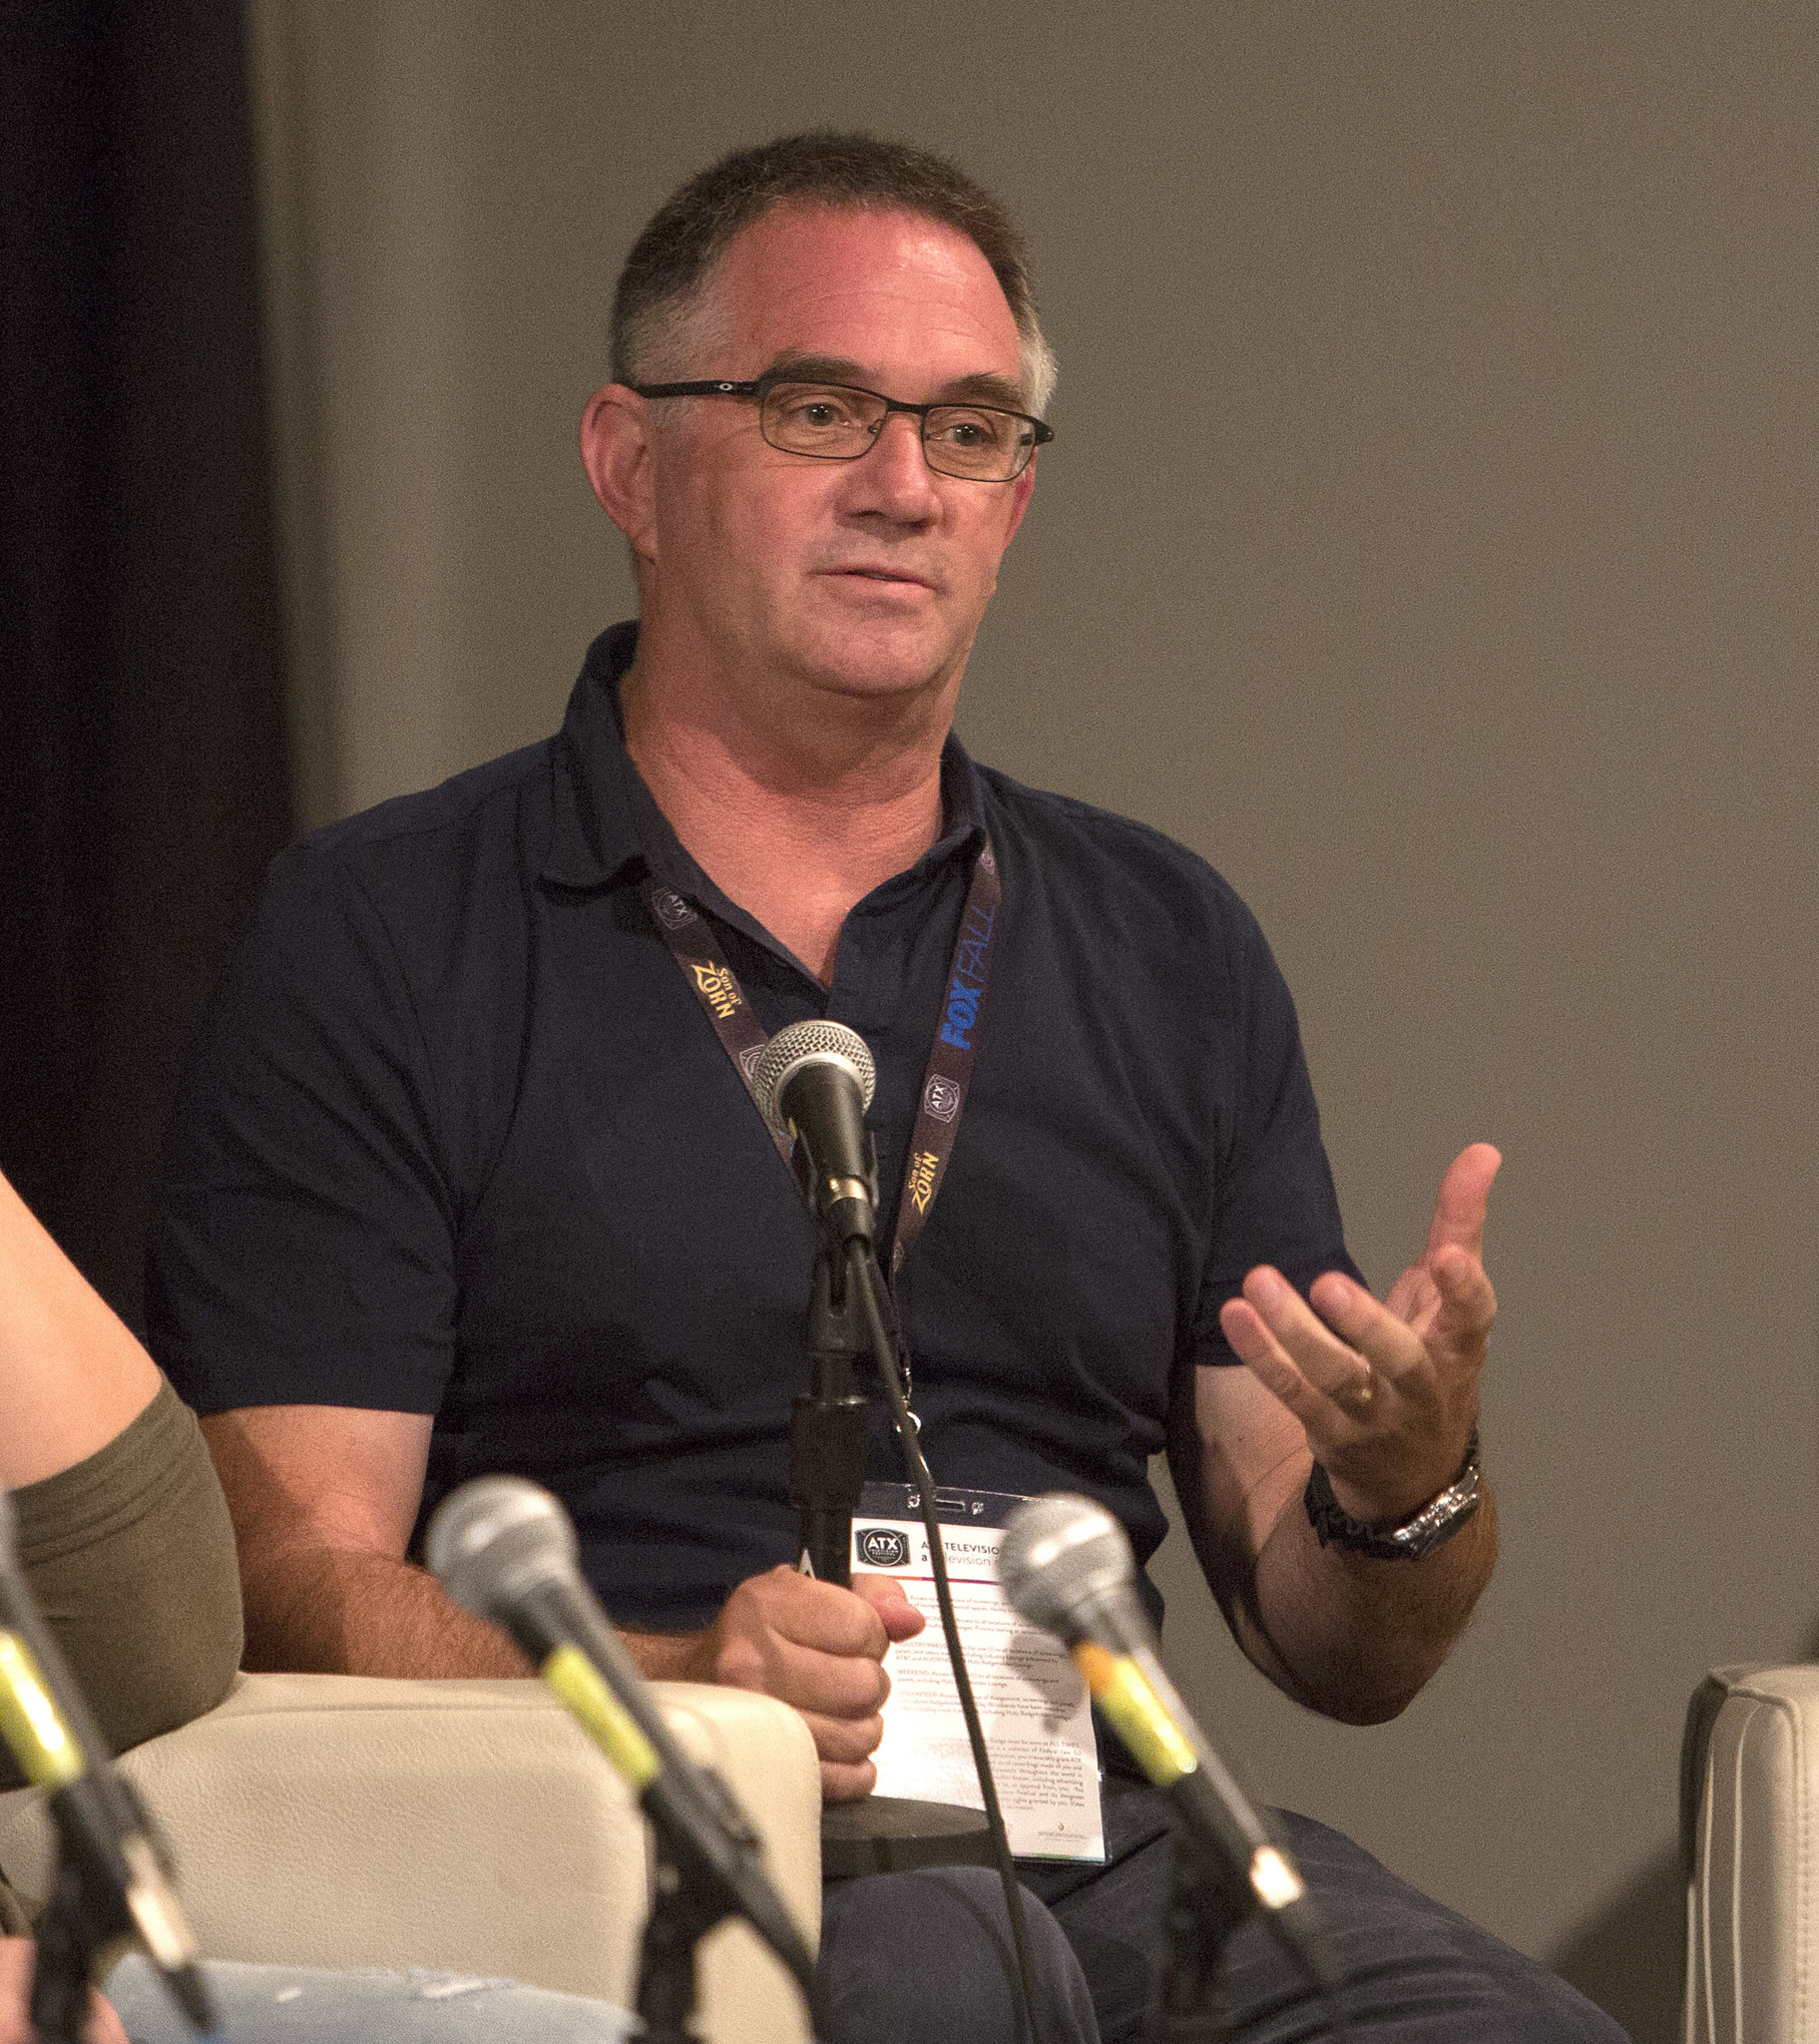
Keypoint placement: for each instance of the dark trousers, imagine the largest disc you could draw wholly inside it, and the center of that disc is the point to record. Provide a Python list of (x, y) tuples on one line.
[(925, 1959)]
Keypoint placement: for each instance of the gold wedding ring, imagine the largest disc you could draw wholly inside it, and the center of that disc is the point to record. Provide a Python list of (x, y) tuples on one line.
[(1356, 1398)]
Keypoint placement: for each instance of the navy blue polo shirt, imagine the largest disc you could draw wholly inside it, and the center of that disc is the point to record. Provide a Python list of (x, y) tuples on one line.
[(458, 1139)]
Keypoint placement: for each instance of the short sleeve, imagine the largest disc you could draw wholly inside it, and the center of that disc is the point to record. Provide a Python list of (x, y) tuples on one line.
[(1275, 1202), (302, 1239), (128, 1557)]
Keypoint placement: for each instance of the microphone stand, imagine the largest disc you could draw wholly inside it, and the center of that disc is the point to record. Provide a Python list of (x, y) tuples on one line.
[(85, 1916), (827, 1440), (849, 1307), (1206, 1909), (81, 1920), (829, 1424), (67, 1948), (112, 1881), (686, 1904), (689, 1895)]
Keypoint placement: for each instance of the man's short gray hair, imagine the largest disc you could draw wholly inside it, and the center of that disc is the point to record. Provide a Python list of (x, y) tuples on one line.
[(672, 262)]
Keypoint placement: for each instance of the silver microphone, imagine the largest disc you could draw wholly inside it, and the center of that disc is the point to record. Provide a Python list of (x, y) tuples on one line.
[(504, 1549), (817, 1079), (1067, 1567)]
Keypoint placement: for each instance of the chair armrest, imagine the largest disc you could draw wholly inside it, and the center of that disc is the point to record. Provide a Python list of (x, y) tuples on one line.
[(336, 1820), (1750, 1830)]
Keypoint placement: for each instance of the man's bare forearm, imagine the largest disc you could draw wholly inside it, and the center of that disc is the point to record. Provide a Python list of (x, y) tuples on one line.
[(344, 1611), (673, 1657), (1351, 1636)]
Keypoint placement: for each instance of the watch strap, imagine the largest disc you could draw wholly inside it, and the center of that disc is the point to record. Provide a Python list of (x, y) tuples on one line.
[(1433, 1524)]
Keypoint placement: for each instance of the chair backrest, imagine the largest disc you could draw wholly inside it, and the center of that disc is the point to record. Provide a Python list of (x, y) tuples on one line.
[(1750, 1841)]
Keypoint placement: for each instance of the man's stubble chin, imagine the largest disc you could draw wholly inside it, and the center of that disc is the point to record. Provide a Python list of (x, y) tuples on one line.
[(880, 669), (839, 654)]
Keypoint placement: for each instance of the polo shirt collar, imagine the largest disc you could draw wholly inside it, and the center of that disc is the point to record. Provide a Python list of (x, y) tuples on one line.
[(605, 820)]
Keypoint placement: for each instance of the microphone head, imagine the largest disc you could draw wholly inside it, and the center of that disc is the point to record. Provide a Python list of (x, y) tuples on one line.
[(496, 1538), (1062, 1556), (808, 1043)]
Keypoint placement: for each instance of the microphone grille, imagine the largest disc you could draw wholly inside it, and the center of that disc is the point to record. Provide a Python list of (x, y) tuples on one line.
[(799, 1045), (1063, 1554), (497, 1537)]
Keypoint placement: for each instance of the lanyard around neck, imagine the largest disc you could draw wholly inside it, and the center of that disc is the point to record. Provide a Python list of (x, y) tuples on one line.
[(949, 1072)]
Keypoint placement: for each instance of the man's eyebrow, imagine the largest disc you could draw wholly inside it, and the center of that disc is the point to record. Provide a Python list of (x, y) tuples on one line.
[(985, 387), (816, 368)]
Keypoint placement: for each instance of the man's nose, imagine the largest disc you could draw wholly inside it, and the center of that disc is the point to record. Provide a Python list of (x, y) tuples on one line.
[(895, 469)]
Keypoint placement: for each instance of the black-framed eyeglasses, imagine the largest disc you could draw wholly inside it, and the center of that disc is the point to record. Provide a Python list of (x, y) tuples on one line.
[(979, 443)]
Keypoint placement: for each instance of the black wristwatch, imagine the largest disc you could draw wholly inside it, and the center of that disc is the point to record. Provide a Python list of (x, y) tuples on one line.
[(1432, 1526)]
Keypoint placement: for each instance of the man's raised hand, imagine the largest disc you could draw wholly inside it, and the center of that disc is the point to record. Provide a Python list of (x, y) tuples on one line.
[(1386, 1394)]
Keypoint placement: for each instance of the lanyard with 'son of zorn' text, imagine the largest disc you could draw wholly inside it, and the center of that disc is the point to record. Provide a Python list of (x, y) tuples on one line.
[(950, 1066)]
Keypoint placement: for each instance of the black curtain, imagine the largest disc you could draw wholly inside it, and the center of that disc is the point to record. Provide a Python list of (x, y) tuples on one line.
[(144, 770)]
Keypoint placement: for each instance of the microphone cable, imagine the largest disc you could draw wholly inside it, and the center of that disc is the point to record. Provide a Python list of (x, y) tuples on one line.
[(829, 1129), (887, 1346)]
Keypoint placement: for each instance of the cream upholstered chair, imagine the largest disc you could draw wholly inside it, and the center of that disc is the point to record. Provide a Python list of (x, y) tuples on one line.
[(1749, 1835), (333, 1820)]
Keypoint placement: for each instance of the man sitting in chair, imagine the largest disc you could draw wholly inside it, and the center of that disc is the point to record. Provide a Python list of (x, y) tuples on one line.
[(469, 1176)]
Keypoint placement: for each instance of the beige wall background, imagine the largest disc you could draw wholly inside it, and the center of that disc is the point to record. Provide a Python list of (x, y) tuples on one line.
[(1429, 541)]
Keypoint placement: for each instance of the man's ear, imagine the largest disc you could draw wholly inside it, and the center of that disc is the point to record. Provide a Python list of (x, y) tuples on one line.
[(615, 452)]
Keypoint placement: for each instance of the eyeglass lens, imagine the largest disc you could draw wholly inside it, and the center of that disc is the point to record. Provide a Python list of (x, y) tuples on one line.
[(837, 423)]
